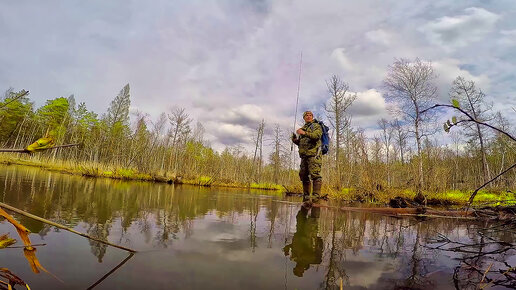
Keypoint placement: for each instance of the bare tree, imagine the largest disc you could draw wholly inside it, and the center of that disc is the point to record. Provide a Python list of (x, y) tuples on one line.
[(279, 151), (339, 102), (180, 128), (474, 103), (198, 133), (409, 85), (400, 135), (386, 136), (258, 151)]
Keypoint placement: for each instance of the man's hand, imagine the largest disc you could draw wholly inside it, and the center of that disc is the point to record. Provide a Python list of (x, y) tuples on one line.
[(293, 137), (300, 131)]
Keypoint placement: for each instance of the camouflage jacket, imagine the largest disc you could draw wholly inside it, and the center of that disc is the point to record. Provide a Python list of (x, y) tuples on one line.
[(310, 142)]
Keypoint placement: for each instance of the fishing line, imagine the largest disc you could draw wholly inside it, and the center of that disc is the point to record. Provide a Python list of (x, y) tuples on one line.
[(297, 99)]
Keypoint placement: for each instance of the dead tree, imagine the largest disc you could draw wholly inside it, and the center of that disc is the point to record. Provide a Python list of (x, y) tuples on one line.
[(258, 152), (340, 101), (473, 102)]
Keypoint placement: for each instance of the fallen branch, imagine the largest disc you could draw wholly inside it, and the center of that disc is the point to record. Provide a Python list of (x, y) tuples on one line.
[(19, 211), (28, 151), (470, 201), (19, 247)]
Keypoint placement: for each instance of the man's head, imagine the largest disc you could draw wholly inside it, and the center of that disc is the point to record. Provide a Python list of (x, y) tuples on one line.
[(308, 116)]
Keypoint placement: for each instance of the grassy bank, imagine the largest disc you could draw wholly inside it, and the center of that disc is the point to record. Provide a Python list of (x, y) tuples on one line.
[(99, 170)]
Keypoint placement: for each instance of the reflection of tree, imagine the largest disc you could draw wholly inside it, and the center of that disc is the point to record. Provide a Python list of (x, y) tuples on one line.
[(307, 247), (484, 258), (253, 216), (415, 261), (100, 231), (271, 215), (335, 269)]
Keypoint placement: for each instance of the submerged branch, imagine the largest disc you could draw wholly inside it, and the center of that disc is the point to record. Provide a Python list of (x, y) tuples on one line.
[(112, 271)]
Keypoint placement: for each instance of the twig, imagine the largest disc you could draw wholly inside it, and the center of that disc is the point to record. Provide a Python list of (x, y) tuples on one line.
[(18, 247), (19, 96), (484, 276), (471, 119), (61, 226), (112, 271), (503, 274)]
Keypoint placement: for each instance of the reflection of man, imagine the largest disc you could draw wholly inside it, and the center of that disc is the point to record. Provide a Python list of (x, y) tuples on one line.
[(306, 248), (309, 143)]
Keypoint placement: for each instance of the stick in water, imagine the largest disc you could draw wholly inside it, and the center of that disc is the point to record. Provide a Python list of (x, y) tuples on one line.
[(6, 206)]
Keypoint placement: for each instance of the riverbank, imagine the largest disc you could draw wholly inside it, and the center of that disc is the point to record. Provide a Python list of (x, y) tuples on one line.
[(99, 170), (383, 197), (447, 198)]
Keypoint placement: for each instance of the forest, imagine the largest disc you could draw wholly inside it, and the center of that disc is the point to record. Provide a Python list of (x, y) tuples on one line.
[(410, 153)]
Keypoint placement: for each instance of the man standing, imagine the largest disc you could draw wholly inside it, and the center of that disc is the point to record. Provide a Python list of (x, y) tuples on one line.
[(309, 143)]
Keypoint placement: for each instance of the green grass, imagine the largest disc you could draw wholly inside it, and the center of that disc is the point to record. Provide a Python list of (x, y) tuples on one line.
[(450, 197), (266, 186), (482, 197)]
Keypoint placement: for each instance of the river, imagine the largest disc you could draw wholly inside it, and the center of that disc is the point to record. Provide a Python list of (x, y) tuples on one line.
[(216, 238)]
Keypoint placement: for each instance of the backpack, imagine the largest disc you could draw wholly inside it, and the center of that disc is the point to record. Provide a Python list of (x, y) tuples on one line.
[(325, 138)]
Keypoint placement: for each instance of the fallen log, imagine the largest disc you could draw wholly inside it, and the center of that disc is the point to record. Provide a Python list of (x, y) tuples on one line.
[(398, 212)]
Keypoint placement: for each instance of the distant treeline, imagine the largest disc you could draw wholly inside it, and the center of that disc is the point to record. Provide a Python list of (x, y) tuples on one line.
[(406, 154)]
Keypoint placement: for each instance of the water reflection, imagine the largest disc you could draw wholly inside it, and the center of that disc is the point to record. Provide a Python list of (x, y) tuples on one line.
[(192, 238), (307, 247)]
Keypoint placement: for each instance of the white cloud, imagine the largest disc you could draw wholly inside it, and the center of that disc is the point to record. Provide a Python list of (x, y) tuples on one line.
[(508, 38), (368, 108), (452, 32), (244, 114), (227, 134), (339, 54), (448, 70), (379, 36)]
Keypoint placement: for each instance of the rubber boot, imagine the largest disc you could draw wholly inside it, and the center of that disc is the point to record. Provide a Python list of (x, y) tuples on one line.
[(306, 191), (316, 192)]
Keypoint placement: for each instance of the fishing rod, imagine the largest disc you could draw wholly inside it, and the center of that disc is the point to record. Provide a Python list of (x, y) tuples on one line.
[(297, 99)]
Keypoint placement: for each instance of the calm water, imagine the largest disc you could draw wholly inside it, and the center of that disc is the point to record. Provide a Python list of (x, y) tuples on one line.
[(198, 238)]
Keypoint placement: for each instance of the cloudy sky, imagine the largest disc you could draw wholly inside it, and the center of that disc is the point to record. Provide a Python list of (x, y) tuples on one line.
[(231, 63)]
